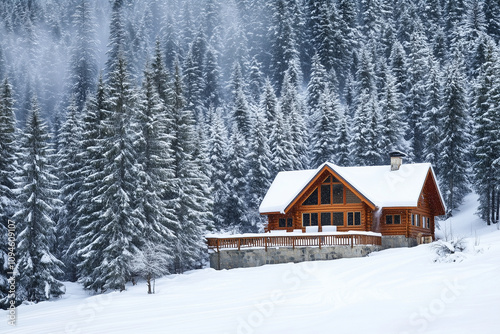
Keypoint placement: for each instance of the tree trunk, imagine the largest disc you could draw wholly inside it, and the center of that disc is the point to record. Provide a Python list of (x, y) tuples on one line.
[(148, 281)]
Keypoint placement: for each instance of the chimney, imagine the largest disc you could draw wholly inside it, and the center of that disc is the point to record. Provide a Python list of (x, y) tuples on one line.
[(396, 159)]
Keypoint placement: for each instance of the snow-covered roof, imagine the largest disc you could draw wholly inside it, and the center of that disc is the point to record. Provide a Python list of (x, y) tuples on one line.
[(378, 184)]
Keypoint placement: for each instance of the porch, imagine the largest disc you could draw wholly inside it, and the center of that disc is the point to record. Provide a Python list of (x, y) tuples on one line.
[(278, 239)]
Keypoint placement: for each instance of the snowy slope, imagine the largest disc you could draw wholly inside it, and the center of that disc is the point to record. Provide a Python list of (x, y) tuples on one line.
[(393, 291)]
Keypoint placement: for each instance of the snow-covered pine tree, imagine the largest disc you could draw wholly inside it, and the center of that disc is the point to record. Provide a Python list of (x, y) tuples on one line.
[(154, 160), (110, 240), (316, 86), (217, 156), (194, 75), (69, 165), (418, 66), (241, 109), (37, 268), (322, 33), (212, 93), (455, 134), (283, 39), (342, 140), (432, 119), (486, 138), (187, 196), (392, 126), (83, 54), (325, 130), (268, 105), (8, 167), (292, 108), (364, 145), (255, 81), (236, 182), (89, 208), (118, 38), (259, 176)]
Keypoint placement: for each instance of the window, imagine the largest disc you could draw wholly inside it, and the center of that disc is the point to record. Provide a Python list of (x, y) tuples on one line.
[(314, 219), (392, 219), (289, 222), (326, 218), (327, 180), (282, 222), (338, 218), (417, 221), (325, 194), (413, 220), (338, 193), (312, 199), (428, 222), (357, 218), (423, 221), (310, 219), (354, 218), (306, 219)]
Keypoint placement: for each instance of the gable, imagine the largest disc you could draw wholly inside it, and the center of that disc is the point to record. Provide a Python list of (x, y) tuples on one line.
[(312, 189), (432, 195)]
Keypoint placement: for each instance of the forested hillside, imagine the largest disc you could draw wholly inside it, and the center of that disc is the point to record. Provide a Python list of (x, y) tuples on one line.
[(133, 125)]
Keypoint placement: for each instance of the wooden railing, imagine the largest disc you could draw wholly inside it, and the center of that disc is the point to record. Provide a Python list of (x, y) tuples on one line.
[(269, 240)]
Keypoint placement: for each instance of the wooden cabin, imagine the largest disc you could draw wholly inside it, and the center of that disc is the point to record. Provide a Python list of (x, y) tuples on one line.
[(396, 200)]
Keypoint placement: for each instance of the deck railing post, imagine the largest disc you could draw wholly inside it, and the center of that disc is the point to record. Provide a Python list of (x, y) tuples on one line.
[(352, 241), (239, 243), (218, 244)]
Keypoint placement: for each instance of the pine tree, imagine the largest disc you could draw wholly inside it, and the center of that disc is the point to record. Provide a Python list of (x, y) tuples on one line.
[(419, 62), (393, 127), (217, 156), (259, 176), (154, 160), (269, 105), (187, 194), (89, 209), (236, 182), (110, 241), (432, 119), (323, 137), (485, 131), (316, 86), (342, 140), (292, 107), (117, 36), (255, 81), (284, 40), (8, 166), (212, 94), (83, 54), (280, 142), (455, 137), (37, 268), (70, 182)]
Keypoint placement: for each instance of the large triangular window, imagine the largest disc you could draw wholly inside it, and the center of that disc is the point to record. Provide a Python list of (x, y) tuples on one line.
[(312, 199)]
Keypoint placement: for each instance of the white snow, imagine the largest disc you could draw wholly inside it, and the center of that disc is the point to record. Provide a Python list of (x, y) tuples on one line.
[(398, 291), (380, 185)]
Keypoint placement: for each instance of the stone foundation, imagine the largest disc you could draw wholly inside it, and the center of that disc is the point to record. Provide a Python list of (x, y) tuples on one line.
[(233, 258), (394, 241)]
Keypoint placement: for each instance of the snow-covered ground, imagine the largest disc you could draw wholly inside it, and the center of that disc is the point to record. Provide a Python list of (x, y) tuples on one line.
[(393, 291)]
